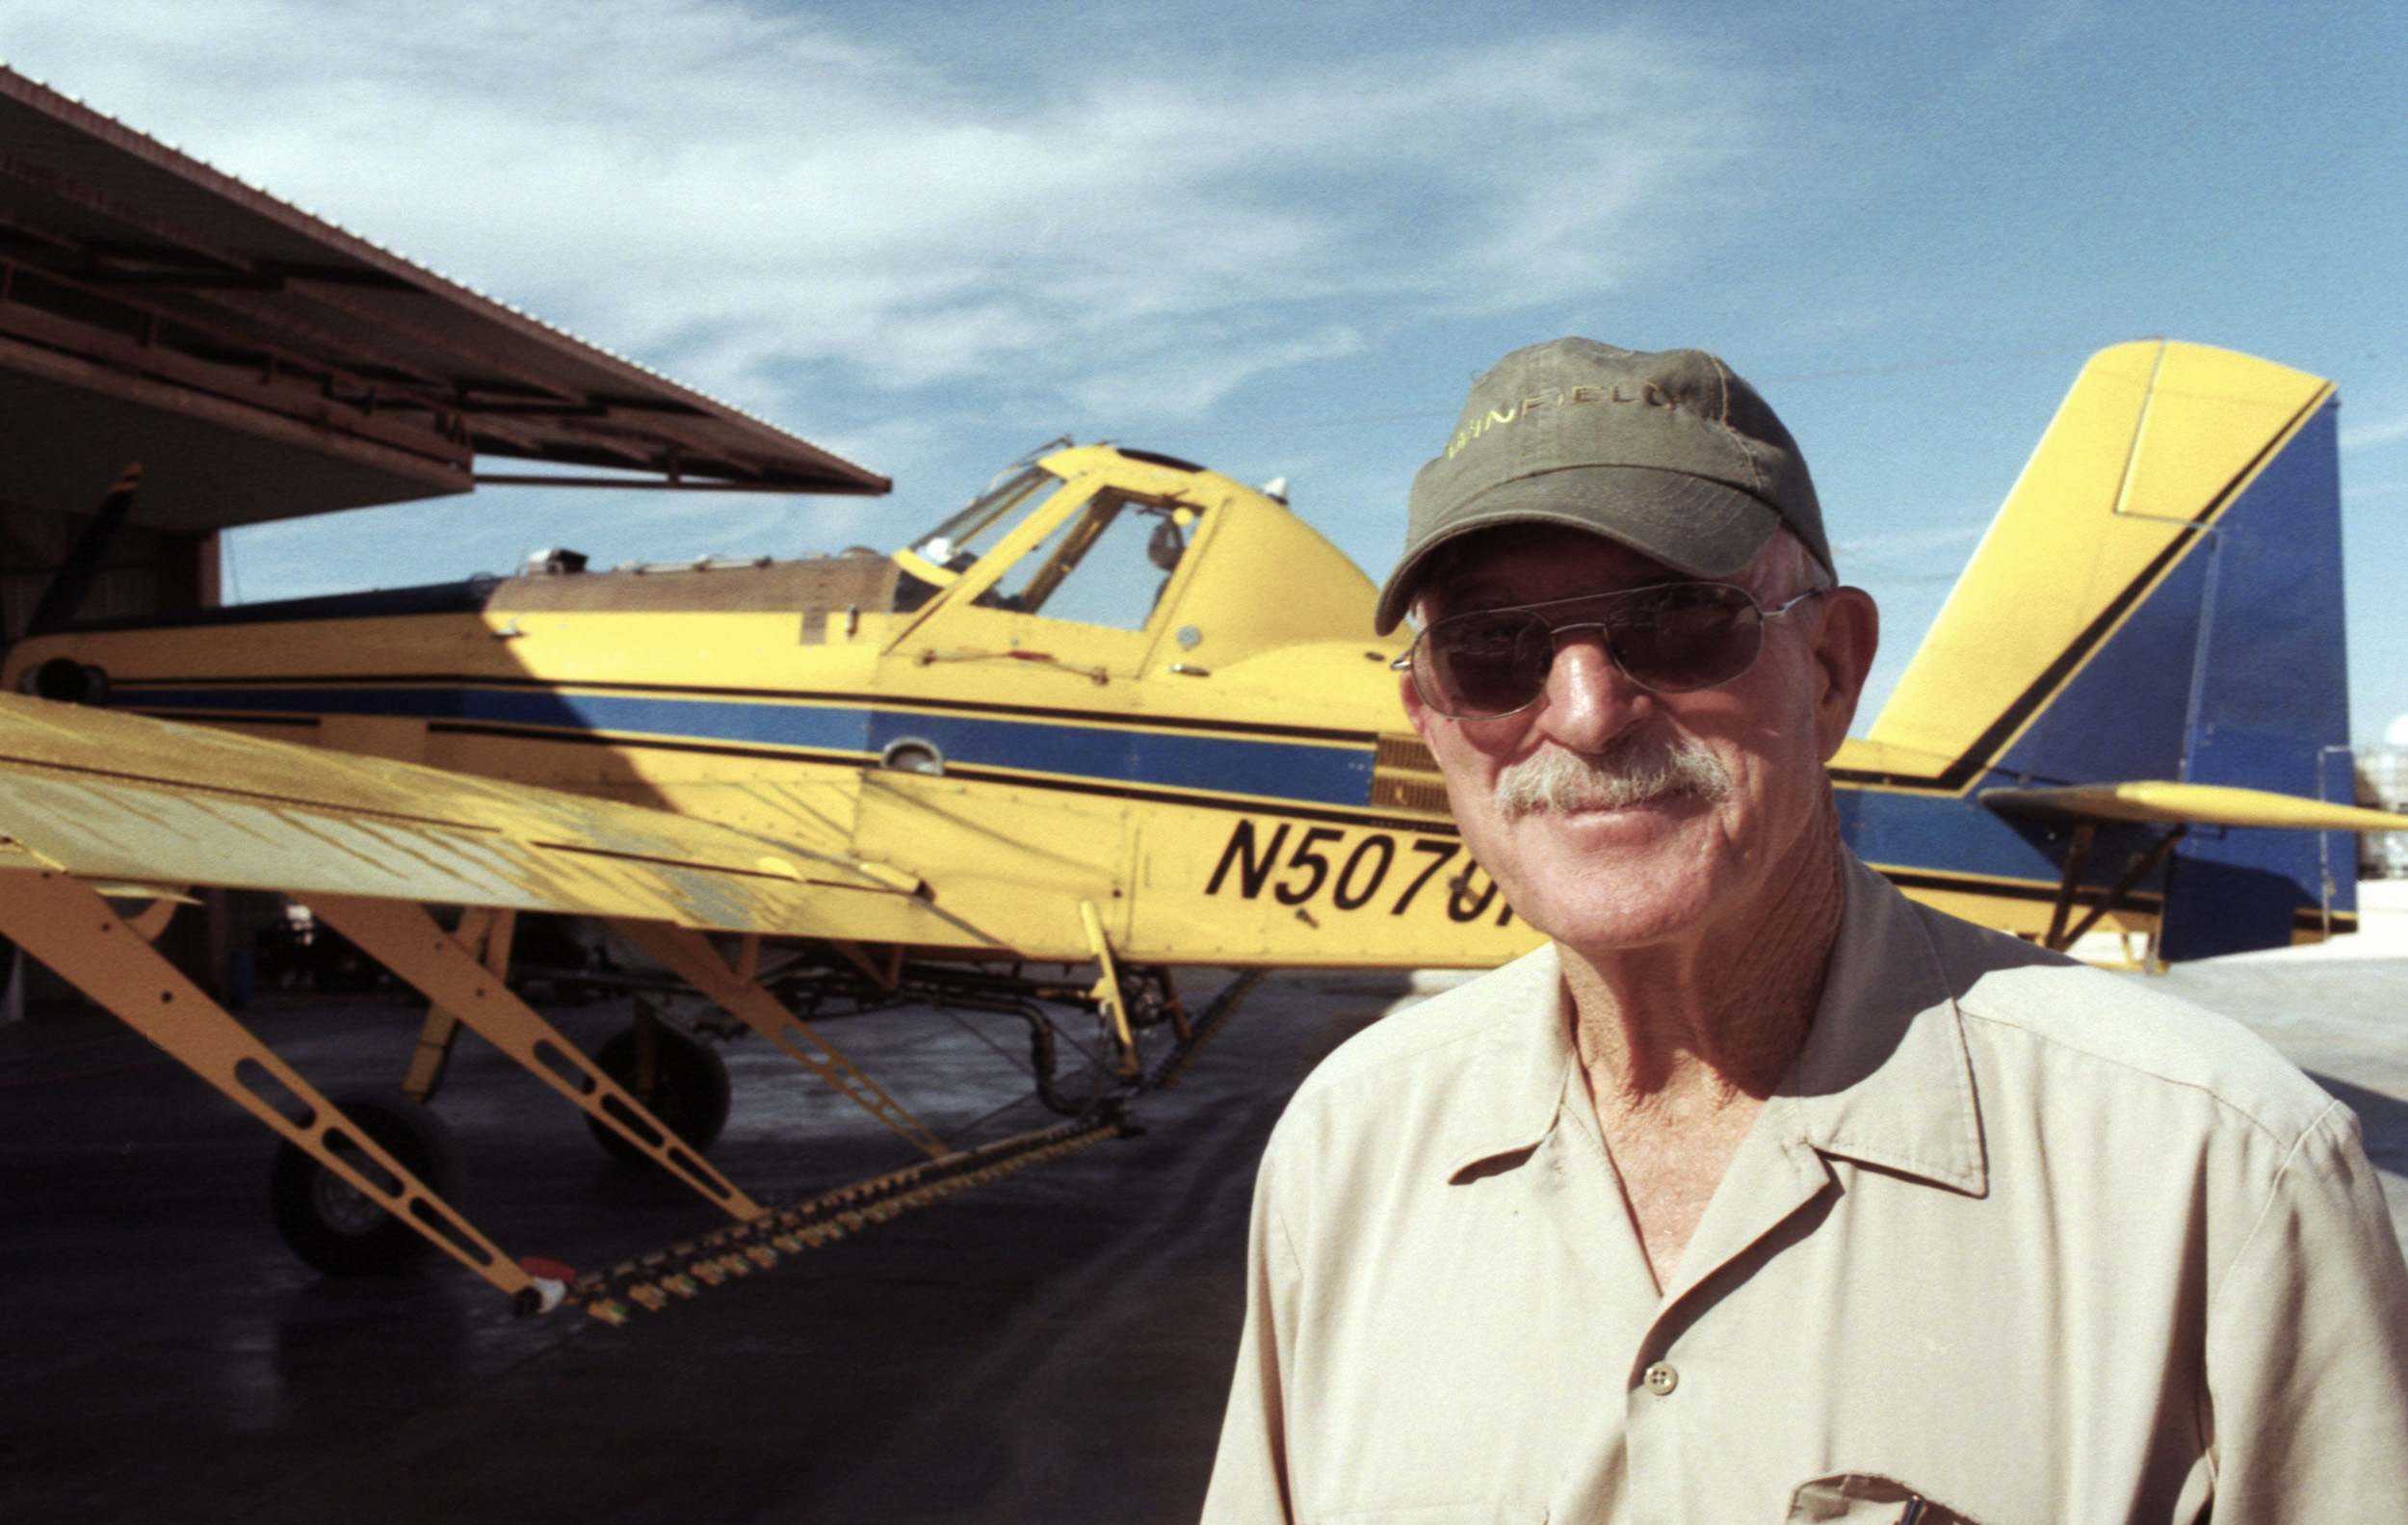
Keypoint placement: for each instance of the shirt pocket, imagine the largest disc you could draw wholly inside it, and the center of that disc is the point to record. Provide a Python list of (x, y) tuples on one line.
[(1867, 1498), (1442, 1514)]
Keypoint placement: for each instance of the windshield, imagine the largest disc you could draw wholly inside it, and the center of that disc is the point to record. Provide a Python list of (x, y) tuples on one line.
[(1109, 566), (957, 544)]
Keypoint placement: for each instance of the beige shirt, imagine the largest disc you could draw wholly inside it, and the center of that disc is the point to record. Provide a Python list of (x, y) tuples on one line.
[(2024, 1239)]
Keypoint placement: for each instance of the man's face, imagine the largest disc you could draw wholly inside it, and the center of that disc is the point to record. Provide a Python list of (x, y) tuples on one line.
[(1737, 786)]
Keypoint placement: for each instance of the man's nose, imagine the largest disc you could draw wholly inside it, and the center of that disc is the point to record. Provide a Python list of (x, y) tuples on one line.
[(1588, 701)]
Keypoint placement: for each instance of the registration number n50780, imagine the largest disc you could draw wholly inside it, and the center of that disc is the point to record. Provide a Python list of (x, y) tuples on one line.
[(1351, 871)]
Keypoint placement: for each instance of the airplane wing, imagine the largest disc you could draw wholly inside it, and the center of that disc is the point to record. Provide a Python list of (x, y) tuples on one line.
[(2189, 804), (122, 800)]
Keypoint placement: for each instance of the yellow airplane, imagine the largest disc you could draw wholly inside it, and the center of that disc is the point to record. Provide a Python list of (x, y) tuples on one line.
[(1119, 711)]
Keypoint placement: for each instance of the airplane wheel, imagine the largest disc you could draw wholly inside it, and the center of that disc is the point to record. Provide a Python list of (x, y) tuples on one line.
[(330, 1224), (689, 1089)]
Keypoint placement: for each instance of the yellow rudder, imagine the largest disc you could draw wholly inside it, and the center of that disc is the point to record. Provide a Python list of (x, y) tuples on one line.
[(2154, 438)]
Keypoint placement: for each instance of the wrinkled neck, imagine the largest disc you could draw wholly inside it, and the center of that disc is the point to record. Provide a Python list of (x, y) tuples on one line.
[(1727, 1008)]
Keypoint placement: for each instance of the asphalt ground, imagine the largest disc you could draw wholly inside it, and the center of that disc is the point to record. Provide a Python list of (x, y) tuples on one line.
[(1053, 1347)]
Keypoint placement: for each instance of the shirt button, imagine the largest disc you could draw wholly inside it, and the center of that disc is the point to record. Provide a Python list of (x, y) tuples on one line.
[(1662, 1379)]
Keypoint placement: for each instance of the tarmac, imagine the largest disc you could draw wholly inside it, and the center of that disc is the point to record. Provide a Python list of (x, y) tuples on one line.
[(1053, 1347)]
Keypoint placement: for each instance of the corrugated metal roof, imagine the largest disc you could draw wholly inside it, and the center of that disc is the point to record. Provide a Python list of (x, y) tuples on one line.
[(262, 363)]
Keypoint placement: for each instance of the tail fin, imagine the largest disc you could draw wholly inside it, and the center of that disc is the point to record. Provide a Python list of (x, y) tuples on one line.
[(2159, 599)]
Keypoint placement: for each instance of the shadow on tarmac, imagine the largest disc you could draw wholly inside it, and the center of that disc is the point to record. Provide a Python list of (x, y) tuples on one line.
[(2383, 1121), (1054, 1347)]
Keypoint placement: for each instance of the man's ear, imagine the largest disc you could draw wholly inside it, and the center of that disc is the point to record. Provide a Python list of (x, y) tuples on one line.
[(1845, 642)]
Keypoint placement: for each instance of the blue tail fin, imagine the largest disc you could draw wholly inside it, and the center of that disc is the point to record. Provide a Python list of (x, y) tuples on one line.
[(2160, 600)]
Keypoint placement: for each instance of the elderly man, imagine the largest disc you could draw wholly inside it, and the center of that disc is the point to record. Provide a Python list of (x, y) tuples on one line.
[(1762, 1193)]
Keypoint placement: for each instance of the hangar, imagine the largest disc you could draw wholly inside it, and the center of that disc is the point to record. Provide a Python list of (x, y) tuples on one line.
[(257, 362)]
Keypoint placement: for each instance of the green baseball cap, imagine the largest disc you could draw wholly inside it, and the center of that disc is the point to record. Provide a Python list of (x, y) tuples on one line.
[(1666, 453)]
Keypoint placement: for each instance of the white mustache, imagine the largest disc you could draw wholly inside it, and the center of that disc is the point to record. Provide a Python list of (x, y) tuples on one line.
[(1632, 772)]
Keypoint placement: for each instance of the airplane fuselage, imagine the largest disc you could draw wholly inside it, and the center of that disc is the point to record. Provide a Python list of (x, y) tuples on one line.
[(1231, 781)]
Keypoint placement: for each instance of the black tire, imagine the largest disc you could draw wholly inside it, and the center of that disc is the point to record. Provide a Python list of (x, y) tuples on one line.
[(688, 1090), (330, 1224)]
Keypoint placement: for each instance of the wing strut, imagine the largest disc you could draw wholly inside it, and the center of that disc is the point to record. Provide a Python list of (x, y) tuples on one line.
[(486, 934), (2060, 937), (402, 936), (68, 927), (689, 955)]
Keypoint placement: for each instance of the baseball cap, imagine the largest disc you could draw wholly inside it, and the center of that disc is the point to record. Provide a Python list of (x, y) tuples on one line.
[(1667, 453)]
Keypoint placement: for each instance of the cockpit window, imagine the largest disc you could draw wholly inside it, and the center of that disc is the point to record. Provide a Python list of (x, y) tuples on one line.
[(957, 543), (1107, 565)]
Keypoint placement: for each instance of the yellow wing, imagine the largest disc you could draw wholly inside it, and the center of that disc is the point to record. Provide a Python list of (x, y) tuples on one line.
[(2196, 804), (117, 798)]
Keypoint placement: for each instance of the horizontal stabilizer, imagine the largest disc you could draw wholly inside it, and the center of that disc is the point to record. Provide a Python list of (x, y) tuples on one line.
[(113, 798), (2189, 804)]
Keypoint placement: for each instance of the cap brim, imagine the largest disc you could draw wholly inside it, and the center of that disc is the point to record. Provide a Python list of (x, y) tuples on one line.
[(1693, 525)]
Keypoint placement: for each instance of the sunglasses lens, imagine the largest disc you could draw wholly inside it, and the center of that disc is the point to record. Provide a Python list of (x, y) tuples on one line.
[(1482, 665), (1686, 637), (1673, 639)]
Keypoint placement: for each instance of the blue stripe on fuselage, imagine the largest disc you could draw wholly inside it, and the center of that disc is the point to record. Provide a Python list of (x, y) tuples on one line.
[(1281, 769), (1226, 765)]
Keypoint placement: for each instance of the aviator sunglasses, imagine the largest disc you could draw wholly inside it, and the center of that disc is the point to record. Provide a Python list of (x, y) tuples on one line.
[(1673, 638)]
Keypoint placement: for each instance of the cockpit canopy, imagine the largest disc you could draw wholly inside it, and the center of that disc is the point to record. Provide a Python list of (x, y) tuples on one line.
[(1106, 565)]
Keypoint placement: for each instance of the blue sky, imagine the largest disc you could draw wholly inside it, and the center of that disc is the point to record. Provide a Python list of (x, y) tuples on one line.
[(1280, 240)]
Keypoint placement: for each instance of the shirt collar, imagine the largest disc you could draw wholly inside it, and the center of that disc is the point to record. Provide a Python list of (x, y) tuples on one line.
[(1514, 1085), (1883, 1078)]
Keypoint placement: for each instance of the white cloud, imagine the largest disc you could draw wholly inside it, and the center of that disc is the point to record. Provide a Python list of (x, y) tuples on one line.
[(2381, 431), (747, 199), (1919, 541)]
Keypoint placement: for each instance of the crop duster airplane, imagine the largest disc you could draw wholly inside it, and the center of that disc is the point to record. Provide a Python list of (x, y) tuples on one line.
[(1119, 711)]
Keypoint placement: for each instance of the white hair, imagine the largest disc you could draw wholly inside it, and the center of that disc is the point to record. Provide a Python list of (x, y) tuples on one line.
[(1786, 566)]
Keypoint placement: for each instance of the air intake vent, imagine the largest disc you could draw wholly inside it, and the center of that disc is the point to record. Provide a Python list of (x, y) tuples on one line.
[(1404, 776)]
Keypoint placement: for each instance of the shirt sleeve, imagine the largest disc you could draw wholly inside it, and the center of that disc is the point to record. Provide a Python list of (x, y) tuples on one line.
[(1250, 1471), (2307, 1348)]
